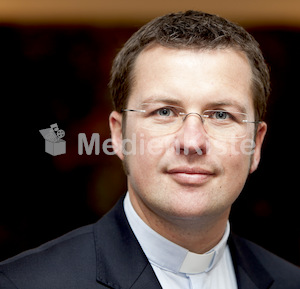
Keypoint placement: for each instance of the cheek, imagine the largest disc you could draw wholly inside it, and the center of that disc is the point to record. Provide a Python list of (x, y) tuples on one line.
[(236, 148), (144, 167), (235, 159), (142, 152)]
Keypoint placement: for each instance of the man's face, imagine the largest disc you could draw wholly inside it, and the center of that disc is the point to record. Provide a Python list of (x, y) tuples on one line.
[(187, 174)]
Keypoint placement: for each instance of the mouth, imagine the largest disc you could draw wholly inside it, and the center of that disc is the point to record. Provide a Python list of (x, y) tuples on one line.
[(190, 175)]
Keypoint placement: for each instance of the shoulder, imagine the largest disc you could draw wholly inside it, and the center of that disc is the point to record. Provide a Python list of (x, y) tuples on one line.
[(71, 260), (282, 271), (70, 254), (267, 258)]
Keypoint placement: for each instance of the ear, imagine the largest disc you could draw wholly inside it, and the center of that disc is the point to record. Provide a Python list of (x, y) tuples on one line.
[(115, 124), (260, 135)]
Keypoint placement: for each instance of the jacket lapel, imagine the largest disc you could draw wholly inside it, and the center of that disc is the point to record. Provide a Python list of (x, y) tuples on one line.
[(250, 273), (121, 263)]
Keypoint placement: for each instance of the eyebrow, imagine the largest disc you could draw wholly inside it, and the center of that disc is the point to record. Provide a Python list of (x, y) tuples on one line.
[(162, 99), (178, 102), (237, 105)]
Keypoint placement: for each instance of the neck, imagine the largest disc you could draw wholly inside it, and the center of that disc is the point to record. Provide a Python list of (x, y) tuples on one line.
[(198, 235)]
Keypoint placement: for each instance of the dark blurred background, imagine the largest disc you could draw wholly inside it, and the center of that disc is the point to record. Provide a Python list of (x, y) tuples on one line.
[(55, 58)]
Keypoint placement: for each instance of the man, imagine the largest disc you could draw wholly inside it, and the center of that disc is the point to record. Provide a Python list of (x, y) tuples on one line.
[(190, 92)]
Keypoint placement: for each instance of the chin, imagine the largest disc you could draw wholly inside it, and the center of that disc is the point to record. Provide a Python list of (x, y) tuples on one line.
[(187, 211)]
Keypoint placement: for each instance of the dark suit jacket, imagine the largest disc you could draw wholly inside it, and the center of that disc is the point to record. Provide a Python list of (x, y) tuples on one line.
[(107, 255)]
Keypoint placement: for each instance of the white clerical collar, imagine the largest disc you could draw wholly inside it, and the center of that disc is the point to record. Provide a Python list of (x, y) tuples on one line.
[(167, 255)]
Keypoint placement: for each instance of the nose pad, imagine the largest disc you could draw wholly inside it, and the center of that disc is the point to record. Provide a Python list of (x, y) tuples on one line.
[(193, 113)]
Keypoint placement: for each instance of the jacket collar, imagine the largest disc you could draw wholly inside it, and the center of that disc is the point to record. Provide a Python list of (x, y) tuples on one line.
[(121, 263), (250, 273)]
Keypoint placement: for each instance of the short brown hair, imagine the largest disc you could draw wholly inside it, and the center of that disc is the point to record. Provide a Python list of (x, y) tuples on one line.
[(190, 29)]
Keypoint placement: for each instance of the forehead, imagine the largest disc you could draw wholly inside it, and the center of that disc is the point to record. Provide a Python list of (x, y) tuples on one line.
[(192, 78)]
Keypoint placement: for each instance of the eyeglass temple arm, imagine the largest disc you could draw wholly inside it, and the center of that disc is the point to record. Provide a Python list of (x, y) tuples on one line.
[(248, 121), (135, 110)]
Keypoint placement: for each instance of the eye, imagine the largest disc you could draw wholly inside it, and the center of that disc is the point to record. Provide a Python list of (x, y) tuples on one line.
[(164, 111), (218, 115), (221, 115)]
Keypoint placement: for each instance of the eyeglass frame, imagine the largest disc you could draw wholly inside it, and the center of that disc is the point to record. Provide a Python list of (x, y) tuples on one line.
[(202, 116)]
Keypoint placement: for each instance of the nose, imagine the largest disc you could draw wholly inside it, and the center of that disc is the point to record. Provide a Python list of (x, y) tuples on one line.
[(192, 138)]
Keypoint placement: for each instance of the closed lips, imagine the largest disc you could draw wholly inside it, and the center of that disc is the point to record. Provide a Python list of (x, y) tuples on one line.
[(187, 170)]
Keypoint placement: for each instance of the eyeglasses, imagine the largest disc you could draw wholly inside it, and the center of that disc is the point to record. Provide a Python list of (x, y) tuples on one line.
[(220, 124)]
